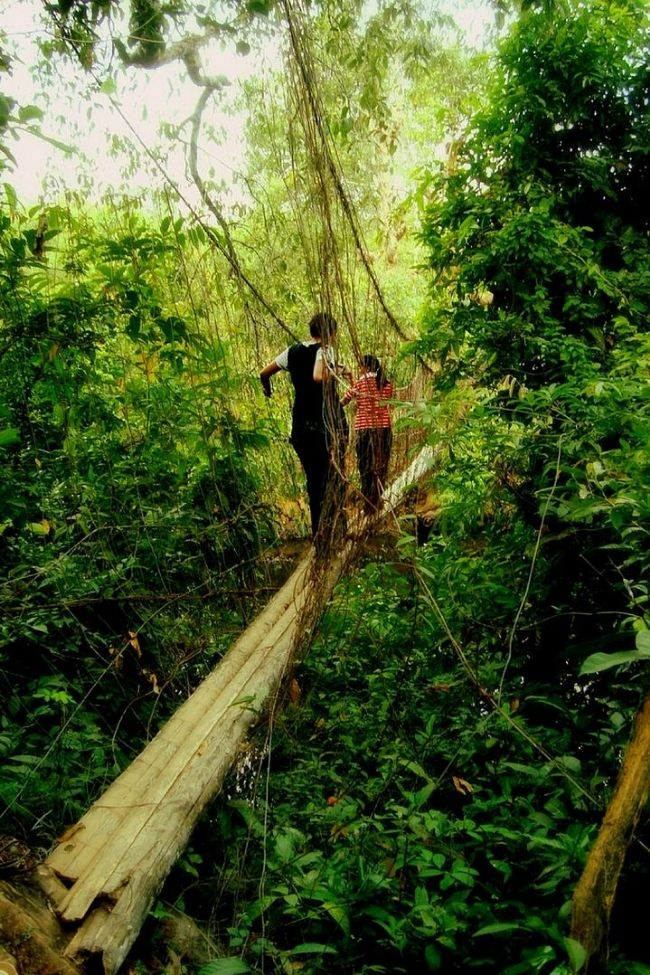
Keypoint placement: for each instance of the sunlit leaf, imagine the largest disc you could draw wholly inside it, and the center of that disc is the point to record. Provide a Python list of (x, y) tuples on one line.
[(108, 87), (338, 914), (598, 662), (8, 154), (27, 113), (63, 146), (10, 193)]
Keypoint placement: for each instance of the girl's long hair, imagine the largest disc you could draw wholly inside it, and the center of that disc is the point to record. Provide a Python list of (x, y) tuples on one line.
[(372, 364)]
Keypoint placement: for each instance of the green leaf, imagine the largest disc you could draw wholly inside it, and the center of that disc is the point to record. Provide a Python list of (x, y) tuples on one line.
[(225, 966), (9, 155), (577, 954), (39, 628), (26, 113), (433, 958), (643, 642), (416, 768), (10, 193), (6, 105), (286, 843), (9, 436), (312, 948), (338, 914), (498, 928), (598, 662)]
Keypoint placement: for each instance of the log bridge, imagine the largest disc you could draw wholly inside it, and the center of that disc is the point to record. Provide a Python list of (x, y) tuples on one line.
[(104, 875)]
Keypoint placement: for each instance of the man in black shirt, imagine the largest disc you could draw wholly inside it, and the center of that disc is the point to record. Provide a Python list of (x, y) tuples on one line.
[(319, 429)]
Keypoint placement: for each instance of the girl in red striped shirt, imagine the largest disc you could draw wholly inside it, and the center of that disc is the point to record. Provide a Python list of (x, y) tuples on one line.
[(373, 429)]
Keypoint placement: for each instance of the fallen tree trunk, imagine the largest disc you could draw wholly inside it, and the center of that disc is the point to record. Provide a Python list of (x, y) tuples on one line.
[(116, 858), (594, 894), (106, 872)]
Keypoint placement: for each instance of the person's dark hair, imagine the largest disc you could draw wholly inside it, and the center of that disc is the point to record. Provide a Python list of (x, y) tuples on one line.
[(323, 326), (372, 364)]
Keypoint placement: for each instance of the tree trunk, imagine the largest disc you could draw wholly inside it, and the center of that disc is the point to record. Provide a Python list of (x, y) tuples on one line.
[(594, 895)]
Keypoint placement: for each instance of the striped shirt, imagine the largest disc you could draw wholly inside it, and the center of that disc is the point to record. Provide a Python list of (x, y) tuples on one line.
[(372, 408)]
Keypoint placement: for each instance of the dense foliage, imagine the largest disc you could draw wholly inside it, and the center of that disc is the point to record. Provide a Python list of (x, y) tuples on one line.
[(407, 824), (542, 240), (128, 498)]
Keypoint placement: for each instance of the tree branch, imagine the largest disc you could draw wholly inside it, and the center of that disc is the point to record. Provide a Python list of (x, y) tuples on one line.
[(225, 247)]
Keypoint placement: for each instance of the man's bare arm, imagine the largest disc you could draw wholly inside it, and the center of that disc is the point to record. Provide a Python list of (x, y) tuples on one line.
[(265, 377)]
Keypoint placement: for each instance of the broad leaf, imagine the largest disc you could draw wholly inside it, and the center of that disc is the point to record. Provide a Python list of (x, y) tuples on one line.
[(598, 662), (576, 953)]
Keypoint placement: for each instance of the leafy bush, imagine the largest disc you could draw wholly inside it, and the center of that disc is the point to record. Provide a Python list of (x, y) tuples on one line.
[(128, 498)]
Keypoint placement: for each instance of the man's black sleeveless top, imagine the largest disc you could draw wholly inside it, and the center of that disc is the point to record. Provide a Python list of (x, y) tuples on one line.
[(307, 413), (312, 416)]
